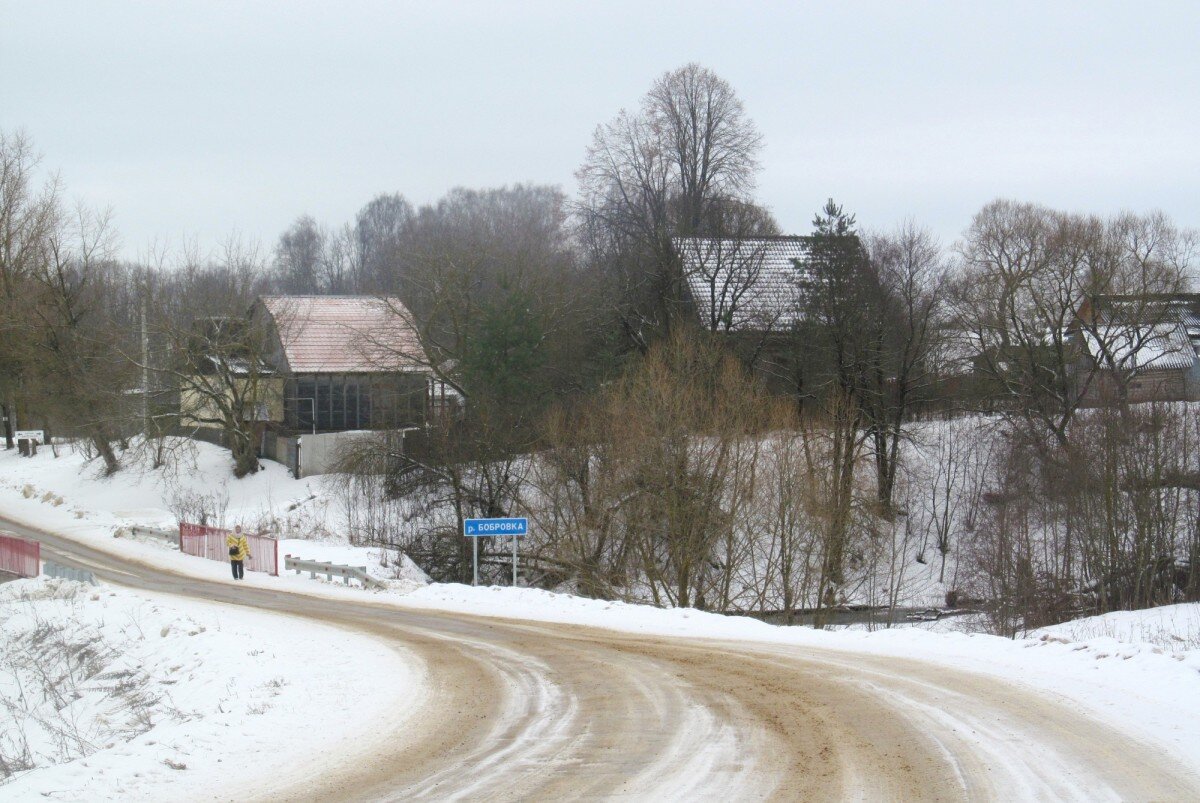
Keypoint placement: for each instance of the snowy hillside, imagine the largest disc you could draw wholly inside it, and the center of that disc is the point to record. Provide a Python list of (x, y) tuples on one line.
[(197, 486)]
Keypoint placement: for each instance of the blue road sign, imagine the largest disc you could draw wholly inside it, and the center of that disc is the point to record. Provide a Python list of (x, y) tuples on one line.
[(481, 527)]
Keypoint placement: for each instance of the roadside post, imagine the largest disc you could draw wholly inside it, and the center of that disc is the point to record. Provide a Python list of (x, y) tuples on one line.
[(480, 528)]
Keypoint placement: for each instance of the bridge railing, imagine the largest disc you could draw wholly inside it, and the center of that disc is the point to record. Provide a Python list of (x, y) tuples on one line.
[(209, 542), (20, 557), (53, 569)]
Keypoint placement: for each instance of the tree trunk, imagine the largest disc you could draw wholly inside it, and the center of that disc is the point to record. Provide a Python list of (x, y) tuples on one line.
[(104, 448), (10, 412), (245, 456)]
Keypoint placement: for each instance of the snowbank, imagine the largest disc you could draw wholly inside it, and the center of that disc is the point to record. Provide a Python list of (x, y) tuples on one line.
[(176, 694), (1171, 628)]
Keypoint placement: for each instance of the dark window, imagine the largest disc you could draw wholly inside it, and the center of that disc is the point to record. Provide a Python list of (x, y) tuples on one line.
[(352, 418), (323, 403), (306, 391), (340, 403), (337, 415)]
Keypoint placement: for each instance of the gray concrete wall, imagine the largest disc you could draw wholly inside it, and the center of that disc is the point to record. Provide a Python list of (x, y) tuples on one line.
[(319, 453)]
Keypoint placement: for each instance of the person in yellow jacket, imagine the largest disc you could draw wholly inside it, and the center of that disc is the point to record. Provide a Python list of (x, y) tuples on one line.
[(239, 550)]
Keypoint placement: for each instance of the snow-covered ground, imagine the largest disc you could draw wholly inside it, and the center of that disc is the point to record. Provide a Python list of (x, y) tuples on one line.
[(1140, 672), (70, 494), (109, 694), (1170, 629)]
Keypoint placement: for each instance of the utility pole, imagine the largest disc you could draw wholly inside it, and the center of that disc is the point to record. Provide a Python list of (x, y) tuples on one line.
[(145, 373)]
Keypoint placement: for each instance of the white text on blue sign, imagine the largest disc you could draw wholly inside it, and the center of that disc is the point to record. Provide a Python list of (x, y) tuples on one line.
[(484, 527)]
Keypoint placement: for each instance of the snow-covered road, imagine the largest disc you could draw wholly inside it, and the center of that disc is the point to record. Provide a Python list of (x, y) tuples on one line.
[(517, 709)]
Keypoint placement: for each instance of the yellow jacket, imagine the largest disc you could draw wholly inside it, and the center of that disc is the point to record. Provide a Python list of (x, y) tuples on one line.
[(237, 541)]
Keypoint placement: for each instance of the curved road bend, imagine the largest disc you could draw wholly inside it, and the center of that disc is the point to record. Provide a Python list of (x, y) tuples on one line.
[(518, 710)]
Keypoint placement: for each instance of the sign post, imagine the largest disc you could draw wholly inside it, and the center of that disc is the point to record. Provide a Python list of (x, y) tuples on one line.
[(481, 528), (28, 441)]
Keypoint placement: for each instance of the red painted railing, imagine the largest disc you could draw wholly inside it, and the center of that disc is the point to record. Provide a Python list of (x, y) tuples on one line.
[(20, 557), (209, 542)]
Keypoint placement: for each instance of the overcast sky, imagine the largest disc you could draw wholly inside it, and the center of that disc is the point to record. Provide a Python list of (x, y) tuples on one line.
[(198, 119)]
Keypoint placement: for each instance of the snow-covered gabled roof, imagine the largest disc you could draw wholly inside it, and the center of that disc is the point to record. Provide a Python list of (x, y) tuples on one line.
[(345, 334), (1142, 332), (746, 283), (1156, 347)]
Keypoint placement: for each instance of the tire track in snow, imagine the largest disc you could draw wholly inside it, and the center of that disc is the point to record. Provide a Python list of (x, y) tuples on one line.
[(546, 711), (530, 733), (1003, 742)]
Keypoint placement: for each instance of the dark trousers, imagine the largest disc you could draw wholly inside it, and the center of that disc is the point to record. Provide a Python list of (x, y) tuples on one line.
[(237, 569)]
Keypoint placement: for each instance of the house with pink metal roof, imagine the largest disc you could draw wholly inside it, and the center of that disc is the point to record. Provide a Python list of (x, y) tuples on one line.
[(346, 363)]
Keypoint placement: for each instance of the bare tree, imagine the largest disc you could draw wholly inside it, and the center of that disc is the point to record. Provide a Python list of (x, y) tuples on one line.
[(300, 257), (502, 316), (900, 364), (29, 214), (380, 229), (833, 445), (653, 480), (77, 335), (1026, 272), (729, 265), (955, 467), (1145, 260), (786, 527), (669, 170), (578, 474), (682, 424), (220, 354), (867, 329), (491, 288)]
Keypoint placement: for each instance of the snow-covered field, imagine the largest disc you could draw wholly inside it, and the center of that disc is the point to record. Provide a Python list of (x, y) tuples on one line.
[(1140, 672), (114, 695)]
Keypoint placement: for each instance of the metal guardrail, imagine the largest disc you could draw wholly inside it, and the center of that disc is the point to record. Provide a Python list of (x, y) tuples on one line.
[(330, 570), (169, 537), (52, 569)]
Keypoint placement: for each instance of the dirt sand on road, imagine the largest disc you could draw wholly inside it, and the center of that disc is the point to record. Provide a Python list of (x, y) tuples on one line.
[(609, 716), (519, 710)]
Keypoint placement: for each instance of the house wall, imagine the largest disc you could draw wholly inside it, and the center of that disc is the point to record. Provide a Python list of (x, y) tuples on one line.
[(194, 406), (281, 449), (1175, 385), (273, 351), (1165, 386), (1192, 381)]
